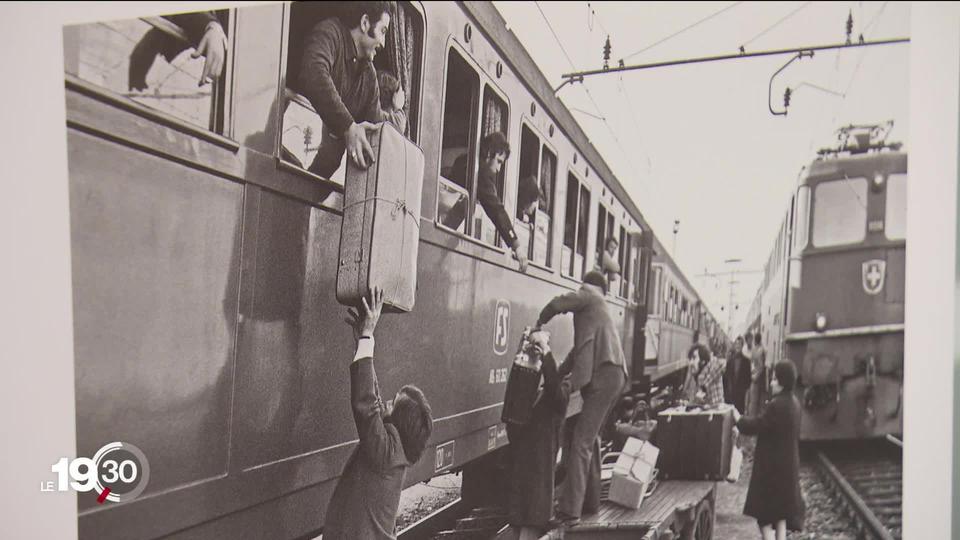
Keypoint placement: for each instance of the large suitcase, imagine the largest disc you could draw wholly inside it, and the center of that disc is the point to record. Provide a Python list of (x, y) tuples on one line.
[(380, 234), (695, 444)]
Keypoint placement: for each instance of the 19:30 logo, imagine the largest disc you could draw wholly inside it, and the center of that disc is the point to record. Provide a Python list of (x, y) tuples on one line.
[(118, 472)]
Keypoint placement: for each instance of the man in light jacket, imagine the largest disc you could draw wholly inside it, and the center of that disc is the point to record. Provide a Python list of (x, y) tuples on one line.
[(598, 369)]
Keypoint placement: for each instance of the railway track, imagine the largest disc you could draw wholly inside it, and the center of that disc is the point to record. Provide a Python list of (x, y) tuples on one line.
[(867, 477), (457, 521)]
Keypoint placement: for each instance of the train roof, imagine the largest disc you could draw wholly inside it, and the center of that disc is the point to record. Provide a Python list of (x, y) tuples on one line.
[(514, 53), (824, 168), (491, 21)]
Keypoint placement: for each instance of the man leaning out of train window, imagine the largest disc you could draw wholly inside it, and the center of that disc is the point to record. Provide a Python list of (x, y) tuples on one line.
[(392, 439), (338, 78), (608, 260), (774, 498), (494, 151)]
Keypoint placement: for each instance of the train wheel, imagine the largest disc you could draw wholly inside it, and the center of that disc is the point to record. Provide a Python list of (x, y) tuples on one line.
[(703, 521)]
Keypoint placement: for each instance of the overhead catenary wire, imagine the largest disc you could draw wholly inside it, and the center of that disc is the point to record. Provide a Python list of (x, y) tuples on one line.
[(596, 106), (776, 24), (682, 30)]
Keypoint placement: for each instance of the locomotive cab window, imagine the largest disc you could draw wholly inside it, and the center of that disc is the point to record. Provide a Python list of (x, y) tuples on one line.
[(575, 225), (149, 61), (390, 93), (896, 207), (840, 212), (535, 186)]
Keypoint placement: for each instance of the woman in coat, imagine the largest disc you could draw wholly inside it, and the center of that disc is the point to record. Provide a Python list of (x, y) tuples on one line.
[(774, 497), (533, 449)]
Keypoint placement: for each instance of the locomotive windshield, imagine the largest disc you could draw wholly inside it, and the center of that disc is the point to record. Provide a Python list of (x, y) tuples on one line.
[(840, 212), (896, 210)]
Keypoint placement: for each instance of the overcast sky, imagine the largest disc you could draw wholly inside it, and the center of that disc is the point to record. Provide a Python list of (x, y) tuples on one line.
[(697, 143)]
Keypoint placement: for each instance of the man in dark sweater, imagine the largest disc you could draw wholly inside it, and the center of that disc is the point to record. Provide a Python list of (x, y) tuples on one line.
[(338, 77), (494, 151), (364, 503)]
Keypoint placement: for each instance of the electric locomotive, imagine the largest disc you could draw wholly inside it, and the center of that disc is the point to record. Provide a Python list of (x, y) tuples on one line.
[(833, 296)]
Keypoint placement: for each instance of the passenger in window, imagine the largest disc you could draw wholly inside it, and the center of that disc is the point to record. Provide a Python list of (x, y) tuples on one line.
[(528, 197), (338, 78), (205, 31), (494, 151), (608, 260), (365, 501), (392, 100)]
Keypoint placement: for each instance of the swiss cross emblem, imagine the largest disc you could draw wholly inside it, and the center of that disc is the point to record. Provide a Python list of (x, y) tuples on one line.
[(873, 274)]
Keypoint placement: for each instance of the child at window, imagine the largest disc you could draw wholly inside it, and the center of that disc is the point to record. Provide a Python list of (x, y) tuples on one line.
[(392, 100), (774, 497)]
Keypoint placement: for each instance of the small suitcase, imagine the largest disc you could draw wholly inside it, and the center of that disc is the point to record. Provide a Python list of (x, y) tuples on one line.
[(380, 234), (695, 444)]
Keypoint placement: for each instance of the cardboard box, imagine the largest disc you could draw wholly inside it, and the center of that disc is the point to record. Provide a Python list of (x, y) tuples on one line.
[(633, 472)]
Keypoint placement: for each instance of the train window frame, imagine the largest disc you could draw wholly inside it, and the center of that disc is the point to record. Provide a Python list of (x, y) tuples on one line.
[(453, 47), (582, 188), (219, 129), (841, 186), (502, 178), (288, 96), (542, 146), (897, 178)]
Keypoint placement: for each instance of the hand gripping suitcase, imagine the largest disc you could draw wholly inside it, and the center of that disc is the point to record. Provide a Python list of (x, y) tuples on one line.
[(695, 444), (380, 234)]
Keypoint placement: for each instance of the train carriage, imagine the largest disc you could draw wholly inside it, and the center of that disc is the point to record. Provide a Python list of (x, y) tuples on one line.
[(205, 257), (832, 300)]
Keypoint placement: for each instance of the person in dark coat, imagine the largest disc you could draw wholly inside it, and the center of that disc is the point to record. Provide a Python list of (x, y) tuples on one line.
[(533, 449), (774, 497), (737, 377), (365, 501)]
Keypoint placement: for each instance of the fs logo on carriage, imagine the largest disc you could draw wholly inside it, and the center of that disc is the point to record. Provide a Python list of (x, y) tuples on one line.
[(873, 273)]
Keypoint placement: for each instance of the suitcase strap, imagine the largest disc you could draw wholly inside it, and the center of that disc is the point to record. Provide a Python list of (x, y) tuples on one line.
[(399, 205)]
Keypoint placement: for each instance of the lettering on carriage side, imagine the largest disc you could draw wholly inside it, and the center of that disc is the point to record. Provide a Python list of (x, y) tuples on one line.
[(873, 273), (491, 437), (498, 375), (501, 327), (444, 457)]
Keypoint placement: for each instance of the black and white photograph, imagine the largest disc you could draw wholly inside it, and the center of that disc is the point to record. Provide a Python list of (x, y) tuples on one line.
[(501, 271)]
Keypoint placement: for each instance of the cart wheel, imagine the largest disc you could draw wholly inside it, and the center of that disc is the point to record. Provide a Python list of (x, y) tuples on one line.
[(704, 521)]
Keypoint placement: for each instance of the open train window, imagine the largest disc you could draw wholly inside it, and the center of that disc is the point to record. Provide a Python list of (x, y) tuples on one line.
[(456, 166), (840, 212), (149, 61), (896, 207), (576, 220), (397, 65), (537, 172), (495, 118)]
